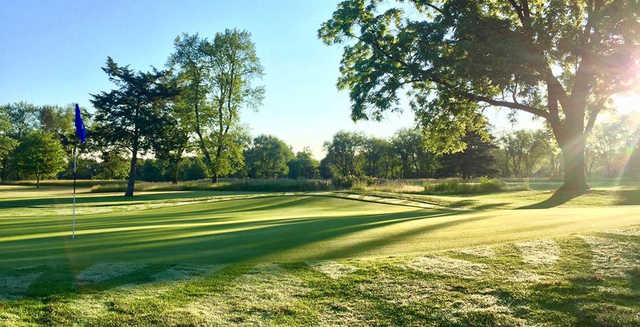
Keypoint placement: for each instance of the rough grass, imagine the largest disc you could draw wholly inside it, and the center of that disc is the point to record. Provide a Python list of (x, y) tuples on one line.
[(539, 252), (211, 258), (481, 186), (331, 268), (105, 271)]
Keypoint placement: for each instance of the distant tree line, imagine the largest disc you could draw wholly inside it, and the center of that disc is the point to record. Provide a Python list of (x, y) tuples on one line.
[(37, 142)]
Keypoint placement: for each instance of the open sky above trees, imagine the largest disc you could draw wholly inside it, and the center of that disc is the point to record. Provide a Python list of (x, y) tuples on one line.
[(58, 47)]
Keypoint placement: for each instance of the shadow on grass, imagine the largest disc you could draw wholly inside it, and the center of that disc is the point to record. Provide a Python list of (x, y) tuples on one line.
[(620, 197), (211, 240), (556, 199), (628, 197)]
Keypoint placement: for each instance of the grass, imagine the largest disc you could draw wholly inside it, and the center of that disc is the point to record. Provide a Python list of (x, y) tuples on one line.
[(194, 258)]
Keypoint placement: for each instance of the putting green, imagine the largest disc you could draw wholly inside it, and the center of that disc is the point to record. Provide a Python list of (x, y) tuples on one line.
[(210, 227)]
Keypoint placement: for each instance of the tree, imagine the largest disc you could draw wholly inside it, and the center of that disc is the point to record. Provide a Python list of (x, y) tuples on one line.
[(605, 145), (171, 139), (193, 168), (150, 170), (23, 118), (114, 165), (19, 119), (303, 165), (325, 168), (268, 157), (415, 159), (7, 143), (39, 154), (378, 157), (475, 161), (342, 153), (127, 116), (524, 150), (557, 60), (60, 122), (217, 81)]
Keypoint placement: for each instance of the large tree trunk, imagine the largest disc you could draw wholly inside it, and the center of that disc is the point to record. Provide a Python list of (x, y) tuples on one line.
[(174, 178), (132, 171), (574, 169), (573, 154)]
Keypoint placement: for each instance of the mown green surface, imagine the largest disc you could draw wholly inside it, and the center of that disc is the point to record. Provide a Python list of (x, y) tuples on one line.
[(225, 240)]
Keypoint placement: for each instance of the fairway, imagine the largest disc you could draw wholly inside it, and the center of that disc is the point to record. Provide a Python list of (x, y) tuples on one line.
[(168, 250)]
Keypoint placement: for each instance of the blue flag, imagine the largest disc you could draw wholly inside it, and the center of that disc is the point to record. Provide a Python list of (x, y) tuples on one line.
[(81, 131)]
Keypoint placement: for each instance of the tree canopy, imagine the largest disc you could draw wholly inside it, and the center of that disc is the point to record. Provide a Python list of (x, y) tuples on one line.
[(558, 60), (40, 154), (268, 157), (217, 79)]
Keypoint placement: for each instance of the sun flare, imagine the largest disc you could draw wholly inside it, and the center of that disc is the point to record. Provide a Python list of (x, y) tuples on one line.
[(626, 103)]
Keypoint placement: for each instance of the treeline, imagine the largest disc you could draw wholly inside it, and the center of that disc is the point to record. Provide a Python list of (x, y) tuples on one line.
[(38, 141)]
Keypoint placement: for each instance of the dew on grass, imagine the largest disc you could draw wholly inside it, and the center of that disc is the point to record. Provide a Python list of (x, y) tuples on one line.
[(401, 290), (346, 313), (482, 251), (481, 308), (613, 290), (92, 306), (632, 231), (608, 314), (522, 276), (9, 319), (332, 269), (610, 257), (539, 252), (254, 298), (182, 272), (104, 271), (448, 267), (12, 287)]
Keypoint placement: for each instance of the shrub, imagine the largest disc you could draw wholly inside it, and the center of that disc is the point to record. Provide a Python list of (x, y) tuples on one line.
[(342, 182)]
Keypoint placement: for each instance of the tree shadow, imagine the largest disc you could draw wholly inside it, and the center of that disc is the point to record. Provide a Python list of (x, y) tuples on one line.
[(628, 197), (558, 198), (621, 197)]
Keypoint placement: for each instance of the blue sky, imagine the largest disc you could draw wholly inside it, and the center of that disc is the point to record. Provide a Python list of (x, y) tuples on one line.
[(53, 51)]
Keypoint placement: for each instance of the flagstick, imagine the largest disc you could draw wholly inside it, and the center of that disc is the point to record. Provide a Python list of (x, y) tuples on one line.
[(75, 164)]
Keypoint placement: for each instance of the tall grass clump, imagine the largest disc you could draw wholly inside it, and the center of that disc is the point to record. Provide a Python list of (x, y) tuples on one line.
[(390, 185), (275, 185), (482, 185)]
